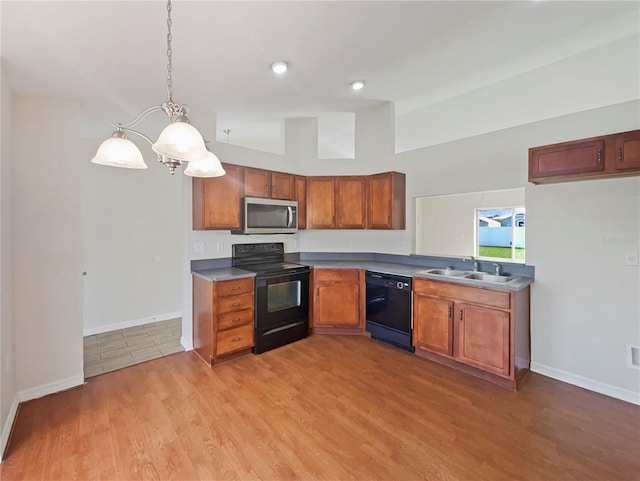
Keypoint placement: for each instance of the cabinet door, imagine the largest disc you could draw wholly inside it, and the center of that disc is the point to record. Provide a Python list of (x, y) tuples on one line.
[(567, 159), (257, 182), (301, 197), (320, 203), (351, 202), (483, 338), (386, 201), (282, 186), (337, 305), (216, 200), (433, 324), (628, 151)]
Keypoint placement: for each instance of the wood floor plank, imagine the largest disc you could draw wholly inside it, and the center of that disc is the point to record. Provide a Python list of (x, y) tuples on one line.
[(325, 408)]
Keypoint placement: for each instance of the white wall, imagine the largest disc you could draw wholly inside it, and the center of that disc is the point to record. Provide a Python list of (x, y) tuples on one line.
[(604, 75), (585, 299), (8, 390), (132, 242), (577, 343), (47, 245)]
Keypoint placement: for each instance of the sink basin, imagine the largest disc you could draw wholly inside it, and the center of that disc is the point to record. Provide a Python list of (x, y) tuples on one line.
[(444, 272), (481, 276)]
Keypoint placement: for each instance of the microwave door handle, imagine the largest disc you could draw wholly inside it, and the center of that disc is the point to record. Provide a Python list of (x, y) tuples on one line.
[(289, 218)]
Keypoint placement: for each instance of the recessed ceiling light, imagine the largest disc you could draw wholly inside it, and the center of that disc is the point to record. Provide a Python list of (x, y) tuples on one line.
[(279, 67), (357, 85)]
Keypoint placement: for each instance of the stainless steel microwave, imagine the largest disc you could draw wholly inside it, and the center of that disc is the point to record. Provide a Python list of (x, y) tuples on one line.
[(268, 216)]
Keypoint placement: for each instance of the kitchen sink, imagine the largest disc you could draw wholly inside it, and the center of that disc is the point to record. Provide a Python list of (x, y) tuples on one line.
[(481, 276), (445, 272)]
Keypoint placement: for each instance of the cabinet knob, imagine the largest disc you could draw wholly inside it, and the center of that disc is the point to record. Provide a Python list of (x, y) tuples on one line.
[(620, 156), (461, 314), (449, 312)]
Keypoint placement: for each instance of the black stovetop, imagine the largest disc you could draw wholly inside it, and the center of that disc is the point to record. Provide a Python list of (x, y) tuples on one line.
[(263, 259)]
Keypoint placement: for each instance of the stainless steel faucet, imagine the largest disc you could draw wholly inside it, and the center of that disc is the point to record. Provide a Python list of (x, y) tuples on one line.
[(474, 261), (498, 267)]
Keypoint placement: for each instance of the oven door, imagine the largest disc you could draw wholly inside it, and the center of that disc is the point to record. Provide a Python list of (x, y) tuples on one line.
[(282, 310)]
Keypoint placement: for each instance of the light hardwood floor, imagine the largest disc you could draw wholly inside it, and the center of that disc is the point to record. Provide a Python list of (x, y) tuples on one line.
[(329, 408)]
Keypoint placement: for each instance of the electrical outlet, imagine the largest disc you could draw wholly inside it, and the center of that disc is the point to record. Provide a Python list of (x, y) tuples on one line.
[(631, 258), (199, 247), (219, 246), (633, 356)]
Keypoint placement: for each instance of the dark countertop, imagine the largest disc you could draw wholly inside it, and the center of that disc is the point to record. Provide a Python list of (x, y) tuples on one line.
[(222, 273), (225, 273), (516, 284)]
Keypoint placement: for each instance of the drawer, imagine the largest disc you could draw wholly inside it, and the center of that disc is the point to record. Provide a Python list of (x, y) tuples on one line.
[(234, 287), (474, 295), (234, 303), (235, 339), (235, 319), (336, 275)]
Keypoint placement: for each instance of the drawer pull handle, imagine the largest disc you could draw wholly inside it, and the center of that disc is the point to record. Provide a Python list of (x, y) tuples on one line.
[(449, 312), (235, 288), (236, 339), (235, 304), (599, 157), (237, 319), (620, 157), (461, 314)]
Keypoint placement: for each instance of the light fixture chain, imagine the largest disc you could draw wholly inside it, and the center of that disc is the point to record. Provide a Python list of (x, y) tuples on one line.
[(169, 53)]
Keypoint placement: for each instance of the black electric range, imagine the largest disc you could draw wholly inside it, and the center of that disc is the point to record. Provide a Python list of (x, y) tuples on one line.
[(281, 313)]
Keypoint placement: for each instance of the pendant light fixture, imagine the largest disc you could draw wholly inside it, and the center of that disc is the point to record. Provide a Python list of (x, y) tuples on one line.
[(179, 142)]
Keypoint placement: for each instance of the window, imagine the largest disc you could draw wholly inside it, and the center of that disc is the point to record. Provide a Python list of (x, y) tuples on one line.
[(500, 233)]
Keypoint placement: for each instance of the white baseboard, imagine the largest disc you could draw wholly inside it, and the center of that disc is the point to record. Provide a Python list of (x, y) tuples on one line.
[(90, 331), (186, 343), (8, 424), (586, 383), (50, 388)]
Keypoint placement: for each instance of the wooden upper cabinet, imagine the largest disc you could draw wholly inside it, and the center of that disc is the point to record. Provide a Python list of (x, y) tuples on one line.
[(257, 182), (386, 204), (611, 155), (628, 151), (569, 158), (321, 203), (282, 186), (268, 184), (216, 200), (300, 190), (351, 207)]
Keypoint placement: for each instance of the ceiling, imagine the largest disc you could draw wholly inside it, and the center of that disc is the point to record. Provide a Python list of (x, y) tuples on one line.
[(111, 55)]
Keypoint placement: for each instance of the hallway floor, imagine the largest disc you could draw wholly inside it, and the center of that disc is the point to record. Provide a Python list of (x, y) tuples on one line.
[(117, 349)]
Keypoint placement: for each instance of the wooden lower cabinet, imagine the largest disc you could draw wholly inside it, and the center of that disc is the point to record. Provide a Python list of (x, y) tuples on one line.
[(222, 318), (483, 338), (435, 329), (337, 301), (484, 332)]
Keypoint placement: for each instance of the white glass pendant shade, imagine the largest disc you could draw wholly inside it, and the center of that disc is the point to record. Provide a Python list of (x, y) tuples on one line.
[(119, 152), (208, 166), (181, 141)]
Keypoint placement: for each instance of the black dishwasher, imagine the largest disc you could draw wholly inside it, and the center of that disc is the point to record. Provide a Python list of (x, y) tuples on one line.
[(389, 309)]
